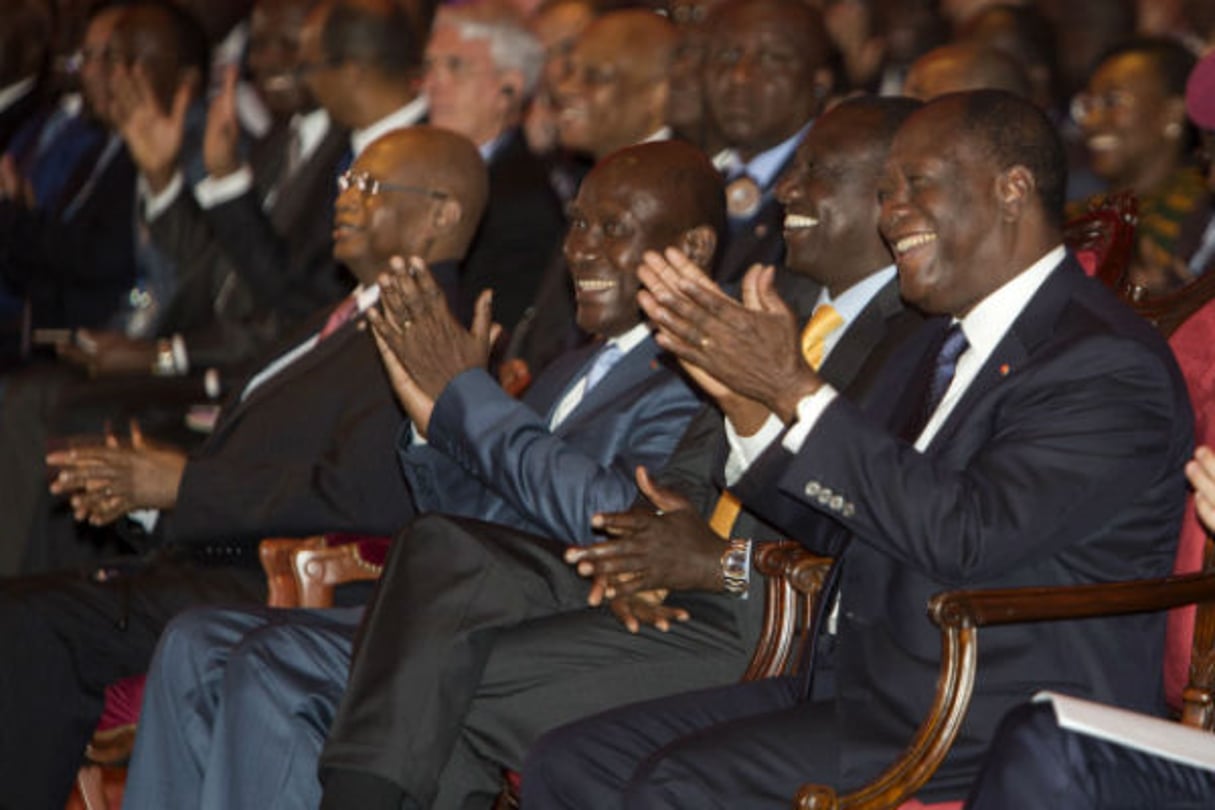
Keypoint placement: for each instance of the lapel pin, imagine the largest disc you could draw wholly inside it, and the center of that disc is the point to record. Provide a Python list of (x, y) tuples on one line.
[(1005, 368)]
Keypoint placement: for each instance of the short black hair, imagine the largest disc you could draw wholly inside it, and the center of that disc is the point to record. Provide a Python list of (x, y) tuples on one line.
[(1014, 132), (1172, 60), (378, 33), (887, 114)]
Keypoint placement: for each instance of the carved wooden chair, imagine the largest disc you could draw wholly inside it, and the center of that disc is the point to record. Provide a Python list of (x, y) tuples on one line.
[(960, 615)]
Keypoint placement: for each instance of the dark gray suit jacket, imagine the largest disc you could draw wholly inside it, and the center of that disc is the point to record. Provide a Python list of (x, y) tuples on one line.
[(247, 275)]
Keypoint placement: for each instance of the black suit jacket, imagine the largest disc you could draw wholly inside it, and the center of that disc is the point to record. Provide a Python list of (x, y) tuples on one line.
[(873, 335), (247, 274), (75, 270), (1061, 464), (518, 235)]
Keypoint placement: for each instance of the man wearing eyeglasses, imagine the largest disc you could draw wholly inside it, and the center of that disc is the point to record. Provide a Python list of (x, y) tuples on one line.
[(304, 446)]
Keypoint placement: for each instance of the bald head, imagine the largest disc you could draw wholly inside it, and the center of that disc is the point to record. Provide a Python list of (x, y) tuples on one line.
[(957, 68), (412, 192), (676, 176), (616, 89), (645, 197)]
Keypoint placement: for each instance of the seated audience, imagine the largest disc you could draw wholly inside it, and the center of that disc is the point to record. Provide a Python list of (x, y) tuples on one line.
[(83, 265), (553, 658), (1040, 441), (304, 446), (481, 67), (215, 719), (613, 94)]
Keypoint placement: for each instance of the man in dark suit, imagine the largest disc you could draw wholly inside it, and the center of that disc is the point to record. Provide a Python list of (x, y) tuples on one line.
[(565, 660), (305, 446), (768, 71), (1041, 443), (482, 65), (79, 264), (543, 465)]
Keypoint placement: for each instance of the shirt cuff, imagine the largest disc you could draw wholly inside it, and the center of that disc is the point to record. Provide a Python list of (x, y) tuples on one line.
[(147, 518), (745, 449), (156, 204), (213, 191), (809, 410)]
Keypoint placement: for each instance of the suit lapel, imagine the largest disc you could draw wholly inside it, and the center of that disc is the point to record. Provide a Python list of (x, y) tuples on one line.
[(635, 366), (304, 364), (300, 191), (1035, 324), (850, 353)]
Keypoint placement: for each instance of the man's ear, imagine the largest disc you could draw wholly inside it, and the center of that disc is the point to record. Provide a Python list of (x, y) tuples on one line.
[(1015, 187), (446, 215), (698, 245)]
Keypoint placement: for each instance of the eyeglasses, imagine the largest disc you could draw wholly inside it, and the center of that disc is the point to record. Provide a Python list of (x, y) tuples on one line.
[(367, 185), (1086, 105)]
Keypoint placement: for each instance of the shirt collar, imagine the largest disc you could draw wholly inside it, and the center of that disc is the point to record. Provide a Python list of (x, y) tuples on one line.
[(490, 147), (10, 94), (661, 134), (627, 341), (987, 323), (366, 295), (764, 167), (311, 128), (853, 300), (406, 116)]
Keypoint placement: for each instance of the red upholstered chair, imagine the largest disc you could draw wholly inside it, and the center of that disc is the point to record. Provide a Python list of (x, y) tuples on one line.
[(1103, 238)]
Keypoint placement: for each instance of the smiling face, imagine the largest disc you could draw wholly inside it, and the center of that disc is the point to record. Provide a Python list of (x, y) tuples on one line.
[(466, 92), (369, 229), (940, 214), (830, 197), (762, 76), (614, 219), (614, 92), (274, 46), (1126, 115)]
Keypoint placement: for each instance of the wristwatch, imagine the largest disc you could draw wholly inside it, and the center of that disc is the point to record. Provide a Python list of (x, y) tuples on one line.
[(736, 567), (164, 365)]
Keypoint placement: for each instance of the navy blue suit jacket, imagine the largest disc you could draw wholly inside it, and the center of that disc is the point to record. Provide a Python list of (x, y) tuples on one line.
[(1061, 464), (493, 457)]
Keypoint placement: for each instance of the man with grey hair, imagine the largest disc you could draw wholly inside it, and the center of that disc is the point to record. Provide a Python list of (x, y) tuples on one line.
[(482, 64)]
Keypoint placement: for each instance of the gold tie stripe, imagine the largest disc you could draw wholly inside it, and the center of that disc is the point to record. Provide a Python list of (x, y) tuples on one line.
[(814, 346)]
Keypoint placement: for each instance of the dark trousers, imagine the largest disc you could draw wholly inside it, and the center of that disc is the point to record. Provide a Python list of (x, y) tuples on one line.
[(64, 637), (478, 641), (1035, 763), (748, 745)]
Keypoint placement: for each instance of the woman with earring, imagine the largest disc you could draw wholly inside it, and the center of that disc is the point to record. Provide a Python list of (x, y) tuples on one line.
[(1133, 118)]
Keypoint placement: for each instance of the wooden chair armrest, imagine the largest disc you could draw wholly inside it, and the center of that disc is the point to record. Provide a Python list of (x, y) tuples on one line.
[(793, 578), (318, 571), (959, 614), (980, 608), (275, 555)]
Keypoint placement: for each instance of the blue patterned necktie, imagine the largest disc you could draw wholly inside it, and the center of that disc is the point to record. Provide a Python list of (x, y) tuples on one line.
[(943, 369)]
